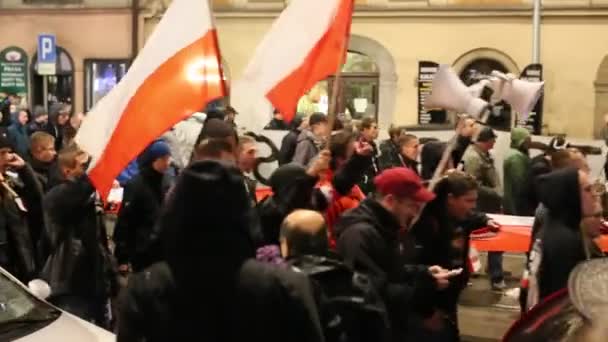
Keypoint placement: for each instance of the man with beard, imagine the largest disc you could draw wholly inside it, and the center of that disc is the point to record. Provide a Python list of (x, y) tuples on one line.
[(210, 288), (368, 240)]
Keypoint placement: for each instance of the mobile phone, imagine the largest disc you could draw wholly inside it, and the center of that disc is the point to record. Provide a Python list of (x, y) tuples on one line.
[(453, 273)]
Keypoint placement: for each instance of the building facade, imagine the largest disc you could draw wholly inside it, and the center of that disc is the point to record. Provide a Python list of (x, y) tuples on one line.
[(467, 34), (94, 47), (390, 39)]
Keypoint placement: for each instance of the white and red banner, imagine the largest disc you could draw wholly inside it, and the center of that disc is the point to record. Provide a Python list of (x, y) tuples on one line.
[(305, 44), (176, 73)]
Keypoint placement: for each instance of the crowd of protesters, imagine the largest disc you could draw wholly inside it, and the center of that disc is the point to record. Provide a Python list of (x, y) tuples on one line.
[(351, 244)]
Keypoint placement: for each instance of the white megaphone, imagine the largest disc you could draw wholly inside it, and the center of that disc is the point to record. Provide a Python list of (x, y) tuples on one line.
[(448, 92), (521, 95), (477, 89)]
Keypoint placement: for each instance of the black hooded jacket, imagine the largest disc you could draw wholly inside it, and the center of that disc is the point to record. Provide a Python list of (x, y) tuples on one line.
[(562, 241), (368, 240), (134, 232), (292, 189), (210, 288)]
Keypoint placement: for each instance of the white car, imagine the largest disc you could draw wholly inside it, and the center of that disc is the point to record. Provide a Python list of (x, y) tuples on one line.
[(25, 317)]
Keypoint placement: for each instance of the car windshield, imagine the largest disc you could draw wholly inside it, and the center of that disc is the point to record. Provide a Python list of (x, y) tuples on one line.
[(20, 310)]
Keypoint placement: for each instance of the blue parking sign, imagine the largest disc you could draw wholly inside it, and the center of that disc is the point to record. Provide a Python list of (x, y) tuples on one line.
[(47, 54)]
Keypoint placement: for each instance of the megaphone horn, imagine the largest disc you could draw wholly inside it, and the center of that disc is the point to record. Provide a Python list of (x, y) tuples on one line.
[(522, 95), (448, 92)]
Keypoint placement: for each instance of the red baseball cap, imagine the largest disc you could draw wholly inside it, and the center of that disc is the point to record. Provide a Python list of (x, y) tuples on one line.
[(402, 182)]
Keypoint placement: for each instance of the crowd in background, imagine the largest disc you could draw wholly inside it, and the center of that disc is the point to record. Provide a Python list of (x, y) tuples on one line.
[(350, 245)]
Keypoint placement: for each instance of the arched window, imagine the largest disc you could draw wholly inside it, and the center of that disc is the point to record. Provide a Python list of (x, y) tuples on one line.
[(500, 118), (58, 87), (358, 91)]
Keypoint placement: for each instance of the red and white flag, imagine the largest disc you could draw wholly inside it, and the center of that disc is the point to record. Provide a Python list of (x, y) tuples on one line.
[(176, 73), (305, 44)]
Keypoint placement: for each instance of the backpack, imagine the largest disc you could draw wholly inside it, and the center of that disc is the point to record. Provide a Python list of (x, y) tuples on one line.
[(349, 307)]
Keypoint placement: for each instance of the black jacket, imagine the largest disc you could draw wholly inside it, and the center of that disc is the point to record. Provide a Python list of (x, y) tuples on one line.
[(134, 232), (288, 147), (436, 236), (366, 182), (277, 125), (390, 155), (368, 240), (264, 303), (20, 230), (292, 189), (79, 261), (562, 242), (47, 174), (350, 308), (57, 132)]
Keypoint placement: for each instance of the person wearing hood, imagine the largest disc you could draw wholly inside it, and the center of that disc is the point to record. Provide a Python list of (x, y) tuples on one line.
[(292, 188), (182, 139), (236, 298), (290, 140), (59, 115), (569, 198), (18, 135), (311, 141), (518, 188), (368, 241), (39, 121), (442, 237), (143, 197)]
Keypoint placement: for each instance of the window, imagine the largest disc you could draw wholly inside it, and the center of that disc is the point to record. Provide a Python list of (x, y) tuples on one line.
[(101, 75), (59, 87), (358, 91), (500, 118)]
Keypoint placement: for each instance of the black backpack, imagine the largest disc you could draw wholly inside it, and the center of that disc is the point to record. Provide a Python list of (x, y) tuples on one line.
[(349, 307)]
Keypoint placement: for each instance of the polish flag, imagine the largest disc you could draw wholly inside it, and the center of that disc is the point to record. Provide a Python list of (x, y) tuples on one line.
[(176, 73), (306, 44)]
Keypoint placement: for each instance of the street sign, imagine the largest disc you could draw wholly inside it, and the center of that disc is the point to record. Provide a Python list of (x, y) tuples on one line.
[(47, 54), (13, 71)]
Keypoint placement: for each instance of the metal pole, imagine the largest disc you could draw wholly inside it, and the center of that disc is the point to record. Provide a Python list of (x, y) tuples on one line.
[(536, 32), (45, 92)]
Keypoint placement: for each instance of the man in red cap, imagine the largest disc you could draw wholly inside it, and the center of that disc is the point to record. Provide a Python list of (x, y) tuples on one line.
[(368, 240)]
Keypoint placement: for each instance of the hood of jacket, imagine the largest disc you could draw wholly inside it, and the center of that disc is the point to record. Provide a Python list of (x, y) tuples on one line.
[(307, 134), (518, 136), (206, 222), (370, 211), (559, 191)]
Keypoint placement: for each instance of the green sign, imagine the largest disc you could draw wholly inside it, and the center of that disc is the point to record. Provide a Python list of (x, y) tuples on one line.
[(13, 71)]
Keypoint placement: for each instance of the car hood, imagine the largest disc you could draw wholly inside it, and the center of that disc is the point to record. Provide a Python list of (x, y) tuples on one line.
[(69, 328)]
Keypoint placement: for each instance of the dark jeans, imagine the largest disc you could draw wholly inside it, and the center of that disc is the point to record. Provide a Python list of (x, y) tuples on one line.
[(495, 266)]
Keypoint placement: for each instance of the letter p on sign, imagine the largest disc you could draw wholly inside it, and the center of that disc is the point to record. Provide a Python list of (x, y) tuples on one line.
[(47, 54)]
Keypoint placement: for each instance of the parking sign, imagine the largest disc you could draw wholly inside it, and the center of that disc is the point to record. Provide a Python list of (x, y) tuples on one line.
[(47, 54)]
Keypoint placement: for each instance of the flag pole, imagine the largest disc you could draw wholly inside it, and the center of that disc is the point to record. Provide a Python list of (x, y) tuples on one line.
[(336, 86)]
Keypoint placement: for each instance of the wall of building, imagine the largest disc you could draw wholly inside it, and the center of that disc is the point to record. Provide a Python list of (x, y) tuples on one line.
[(572, 50), (95, 33)]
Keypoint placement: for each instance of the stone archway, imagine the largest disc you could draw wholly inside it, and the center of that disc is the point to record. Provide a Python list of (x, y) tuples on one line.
[(488, 53), (601, 97), (388, 75)]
